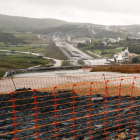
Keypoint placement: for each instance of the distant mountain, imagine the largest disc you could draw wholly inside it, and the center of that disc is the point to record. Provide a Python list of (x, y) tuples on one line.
[(13, 22), (59, 27), (44, 26)]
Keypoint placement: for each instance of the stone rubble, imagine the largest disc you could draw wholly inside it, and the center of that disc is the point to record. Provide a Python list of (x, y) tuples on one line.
[(25, 113)]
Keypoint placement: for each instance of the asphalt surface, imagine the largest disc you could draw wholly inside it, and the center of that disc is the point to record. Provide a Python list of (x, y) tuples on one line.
[(72, 49), (78, 72)]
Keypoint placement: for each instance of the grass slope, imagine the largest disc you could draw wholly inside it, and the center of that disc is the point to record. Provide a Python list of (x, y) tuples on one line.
[(8, 62), (54, 52), (109, 51)]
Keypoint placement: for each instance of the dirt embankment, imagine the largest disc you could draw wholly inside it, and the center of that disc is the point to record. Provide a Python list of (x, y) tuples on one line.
[(118, 68)]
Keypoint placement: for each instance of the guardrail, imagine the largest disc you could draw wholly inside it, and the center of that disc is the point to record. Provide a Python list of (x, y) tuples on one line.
[(85, 68), (17, 71)]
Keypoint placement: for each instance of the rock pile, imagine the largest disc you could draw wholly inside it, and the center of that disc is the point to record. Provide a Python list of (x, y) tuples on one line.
[(107, 116)]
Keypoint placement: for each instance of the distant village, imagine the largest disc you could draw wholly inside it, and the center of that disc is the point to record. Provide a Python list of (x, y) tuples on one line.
[(106, 41)]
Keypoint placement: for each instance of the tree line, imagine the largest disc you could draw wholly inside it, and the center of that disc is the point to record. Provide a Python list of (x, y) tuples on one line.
[(8, 37)]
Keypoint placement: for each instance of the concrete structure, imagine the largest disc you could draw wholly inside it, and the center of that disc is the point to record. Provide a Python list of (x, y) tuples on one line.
[(118, 57), (125, 53)]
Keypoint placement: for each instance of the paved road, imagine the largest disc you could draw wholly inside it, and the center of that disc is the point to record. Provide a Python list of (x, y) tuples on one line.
[(94, 54), (85, 57), (72, 49), (75, 54), (26, 45), (68, 38), (78, 72)]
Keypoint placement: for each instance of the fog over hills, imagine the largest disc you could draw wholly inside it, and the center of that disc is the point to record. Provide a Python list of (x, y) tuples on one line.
[(58, 27), (43, 26), (13, 22)]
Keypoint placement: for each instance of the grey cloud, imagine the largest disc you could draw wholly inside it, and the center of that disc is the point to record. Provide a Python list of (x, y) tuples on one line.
[(95, 11)]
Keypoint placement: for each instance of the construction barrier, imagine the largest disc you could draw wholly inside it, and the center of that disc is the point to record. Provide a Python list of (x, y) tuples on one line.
[(96, 107), (114, 67)]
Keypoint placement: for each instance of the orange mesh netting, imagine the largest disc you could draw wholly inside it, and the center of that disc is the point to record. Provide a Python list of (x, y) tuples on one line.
[(100, 107)]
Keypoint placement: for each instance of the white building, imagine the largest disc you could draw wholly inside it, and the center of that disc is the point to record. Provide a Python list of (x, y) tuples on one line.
[(125, 53), (121, 56), (118, 57), (120, 38)]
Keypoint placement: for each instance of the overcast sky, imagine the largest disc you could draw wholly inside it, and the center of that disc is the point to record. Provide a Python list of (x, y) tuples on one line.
[(107, 12)]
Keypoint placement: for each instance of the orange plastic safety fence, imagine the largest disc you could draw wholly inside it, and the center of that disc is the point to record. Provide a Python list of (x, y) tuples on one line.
[(97, 107)]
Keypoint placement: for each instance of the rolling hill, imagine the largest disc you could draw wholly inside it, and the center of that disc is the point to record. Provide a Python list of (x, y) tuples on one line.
[(59, 27), (13, 22), (43, 26), (128, 28)]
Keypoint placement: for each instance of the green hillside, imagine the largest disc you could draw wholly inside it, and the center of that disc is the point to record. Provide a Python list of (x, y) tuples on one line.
[(13, 22), (43, 26)]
